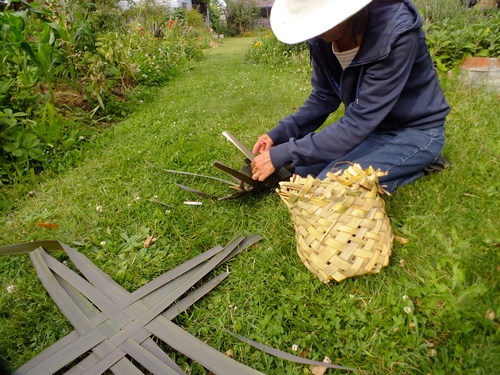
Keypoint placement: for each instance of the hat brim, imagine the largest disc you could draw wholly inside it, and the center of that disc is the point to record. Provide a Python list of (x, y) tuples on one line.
[(309, 22)]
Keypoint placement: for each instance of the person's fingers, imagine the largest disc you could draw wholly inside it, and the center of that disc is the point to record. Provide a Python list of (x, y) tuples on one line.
[(262, 166), (264, 143), (259, 147), (256, 174), (268, 142), (256, 147)]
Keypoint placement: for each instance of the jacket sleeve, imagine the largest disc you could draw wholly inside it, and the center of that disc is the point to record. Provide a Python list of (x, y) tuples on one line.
[(322, 101), (379, 89)]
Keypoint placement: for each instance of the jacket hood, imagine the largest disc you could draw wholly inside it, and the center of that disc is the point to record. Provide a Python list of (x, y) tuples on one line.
[(386, 23), (388, 19)]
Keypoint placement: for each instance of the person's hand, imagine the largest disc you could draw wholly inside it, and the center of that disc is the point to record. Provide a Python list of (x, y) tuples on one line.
[(262, 167), (264, 143)]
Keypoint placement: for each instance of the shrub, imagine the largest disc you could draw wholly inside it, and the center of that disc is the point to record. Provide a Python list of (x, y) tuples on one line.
[(437, 10), (37, 53), (268, 49), (455, 31), (195, 19), (240, 15), (450, 43), (215, 18)]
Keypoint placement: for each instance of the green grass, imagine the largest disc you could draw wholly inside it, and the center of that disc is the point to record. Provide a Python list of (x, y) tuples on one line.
[(447, 274)]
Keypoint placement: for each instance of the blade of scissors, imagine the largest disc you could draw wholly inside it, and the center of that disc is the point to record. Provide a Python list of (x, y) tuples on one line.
[(197, 192), (205, 195), (233, 172), (193, 174), (239, 145)]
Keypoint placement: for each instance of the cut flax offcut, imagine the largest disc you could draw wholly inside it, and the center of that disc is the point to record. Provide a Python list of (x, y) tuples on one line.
[(341, 226)]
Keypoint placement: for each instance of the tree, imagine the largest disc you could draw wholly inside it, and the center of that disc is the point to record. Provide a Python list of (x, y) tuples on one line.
[(240, 14)]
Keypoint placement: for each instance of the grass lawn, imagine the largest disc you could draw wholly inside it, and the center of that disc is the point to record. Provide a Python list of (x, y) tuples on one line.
[(434, 310)]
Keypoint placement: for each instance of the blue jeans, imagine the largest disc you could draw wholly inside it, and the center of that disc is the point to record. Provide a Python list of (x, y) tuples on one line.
[(404, 153)]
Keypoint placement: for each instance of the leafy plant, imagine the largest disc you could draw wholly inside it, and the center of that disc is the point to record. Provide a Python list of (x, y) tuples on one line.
[(61, 63), (240, 15), (269, 50), (449, 45), (17, 142)]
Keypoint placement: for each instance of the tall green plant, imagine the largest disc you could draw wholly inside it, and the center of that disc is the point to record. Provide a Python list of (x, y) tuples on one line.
[(215, 17), (450, 45), (63, 58), (240, 14), (43, 56), (455, 31), (48, 40), (268, 49), (148, 14), (437, 10), (102, 15), (39, 49)]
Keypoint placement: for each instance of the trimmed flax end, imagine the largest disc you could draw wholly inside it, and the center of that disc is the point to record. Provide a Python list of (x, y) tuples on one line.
[(341, 226)]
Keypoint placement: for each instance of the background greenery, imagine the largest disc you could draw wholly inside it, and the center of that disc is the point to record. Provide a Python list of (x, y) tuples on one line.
[(68, 67), (454, 32), (434, 309)]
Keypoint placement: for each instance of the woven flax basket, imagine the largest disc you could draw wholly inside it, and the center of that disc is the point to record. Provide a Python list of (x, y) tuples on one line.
[(341, 226), (487, 4)]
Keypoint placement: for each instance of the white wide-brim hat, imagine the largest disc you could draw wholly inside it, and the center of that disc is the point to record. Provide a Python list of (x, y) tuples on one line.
[(294, 21)]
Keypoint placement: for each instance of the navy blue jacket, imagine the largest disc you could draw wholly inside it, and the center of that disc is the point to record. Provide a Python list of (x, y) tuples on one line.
[(390, 84)]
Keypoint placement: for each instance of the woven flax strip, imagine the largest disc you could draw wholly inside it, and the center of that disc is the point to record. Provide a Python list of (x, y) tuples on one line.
[(341, 226), (114, 327), (487, 4)]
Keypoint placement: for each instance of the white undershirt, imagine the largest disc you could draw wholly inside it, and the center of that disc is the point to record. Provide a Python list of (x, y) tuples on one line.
[(345, 57)]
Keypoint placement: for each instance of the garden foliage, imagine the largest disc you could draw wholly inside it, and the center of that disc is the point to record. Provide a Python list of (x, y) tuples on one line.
[(64, 67), (268, 49), (450, 45), (454, 32), (240, 16)]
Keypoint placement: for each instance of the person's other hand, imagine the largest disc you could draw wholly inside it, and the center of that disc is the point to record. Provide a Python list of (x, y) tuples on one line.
[(262, 167), (264, 143)]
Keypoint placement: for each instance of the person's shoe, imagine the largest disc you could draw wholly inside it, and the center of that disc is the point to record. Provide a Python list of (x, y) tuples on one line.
[(440, 164)]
